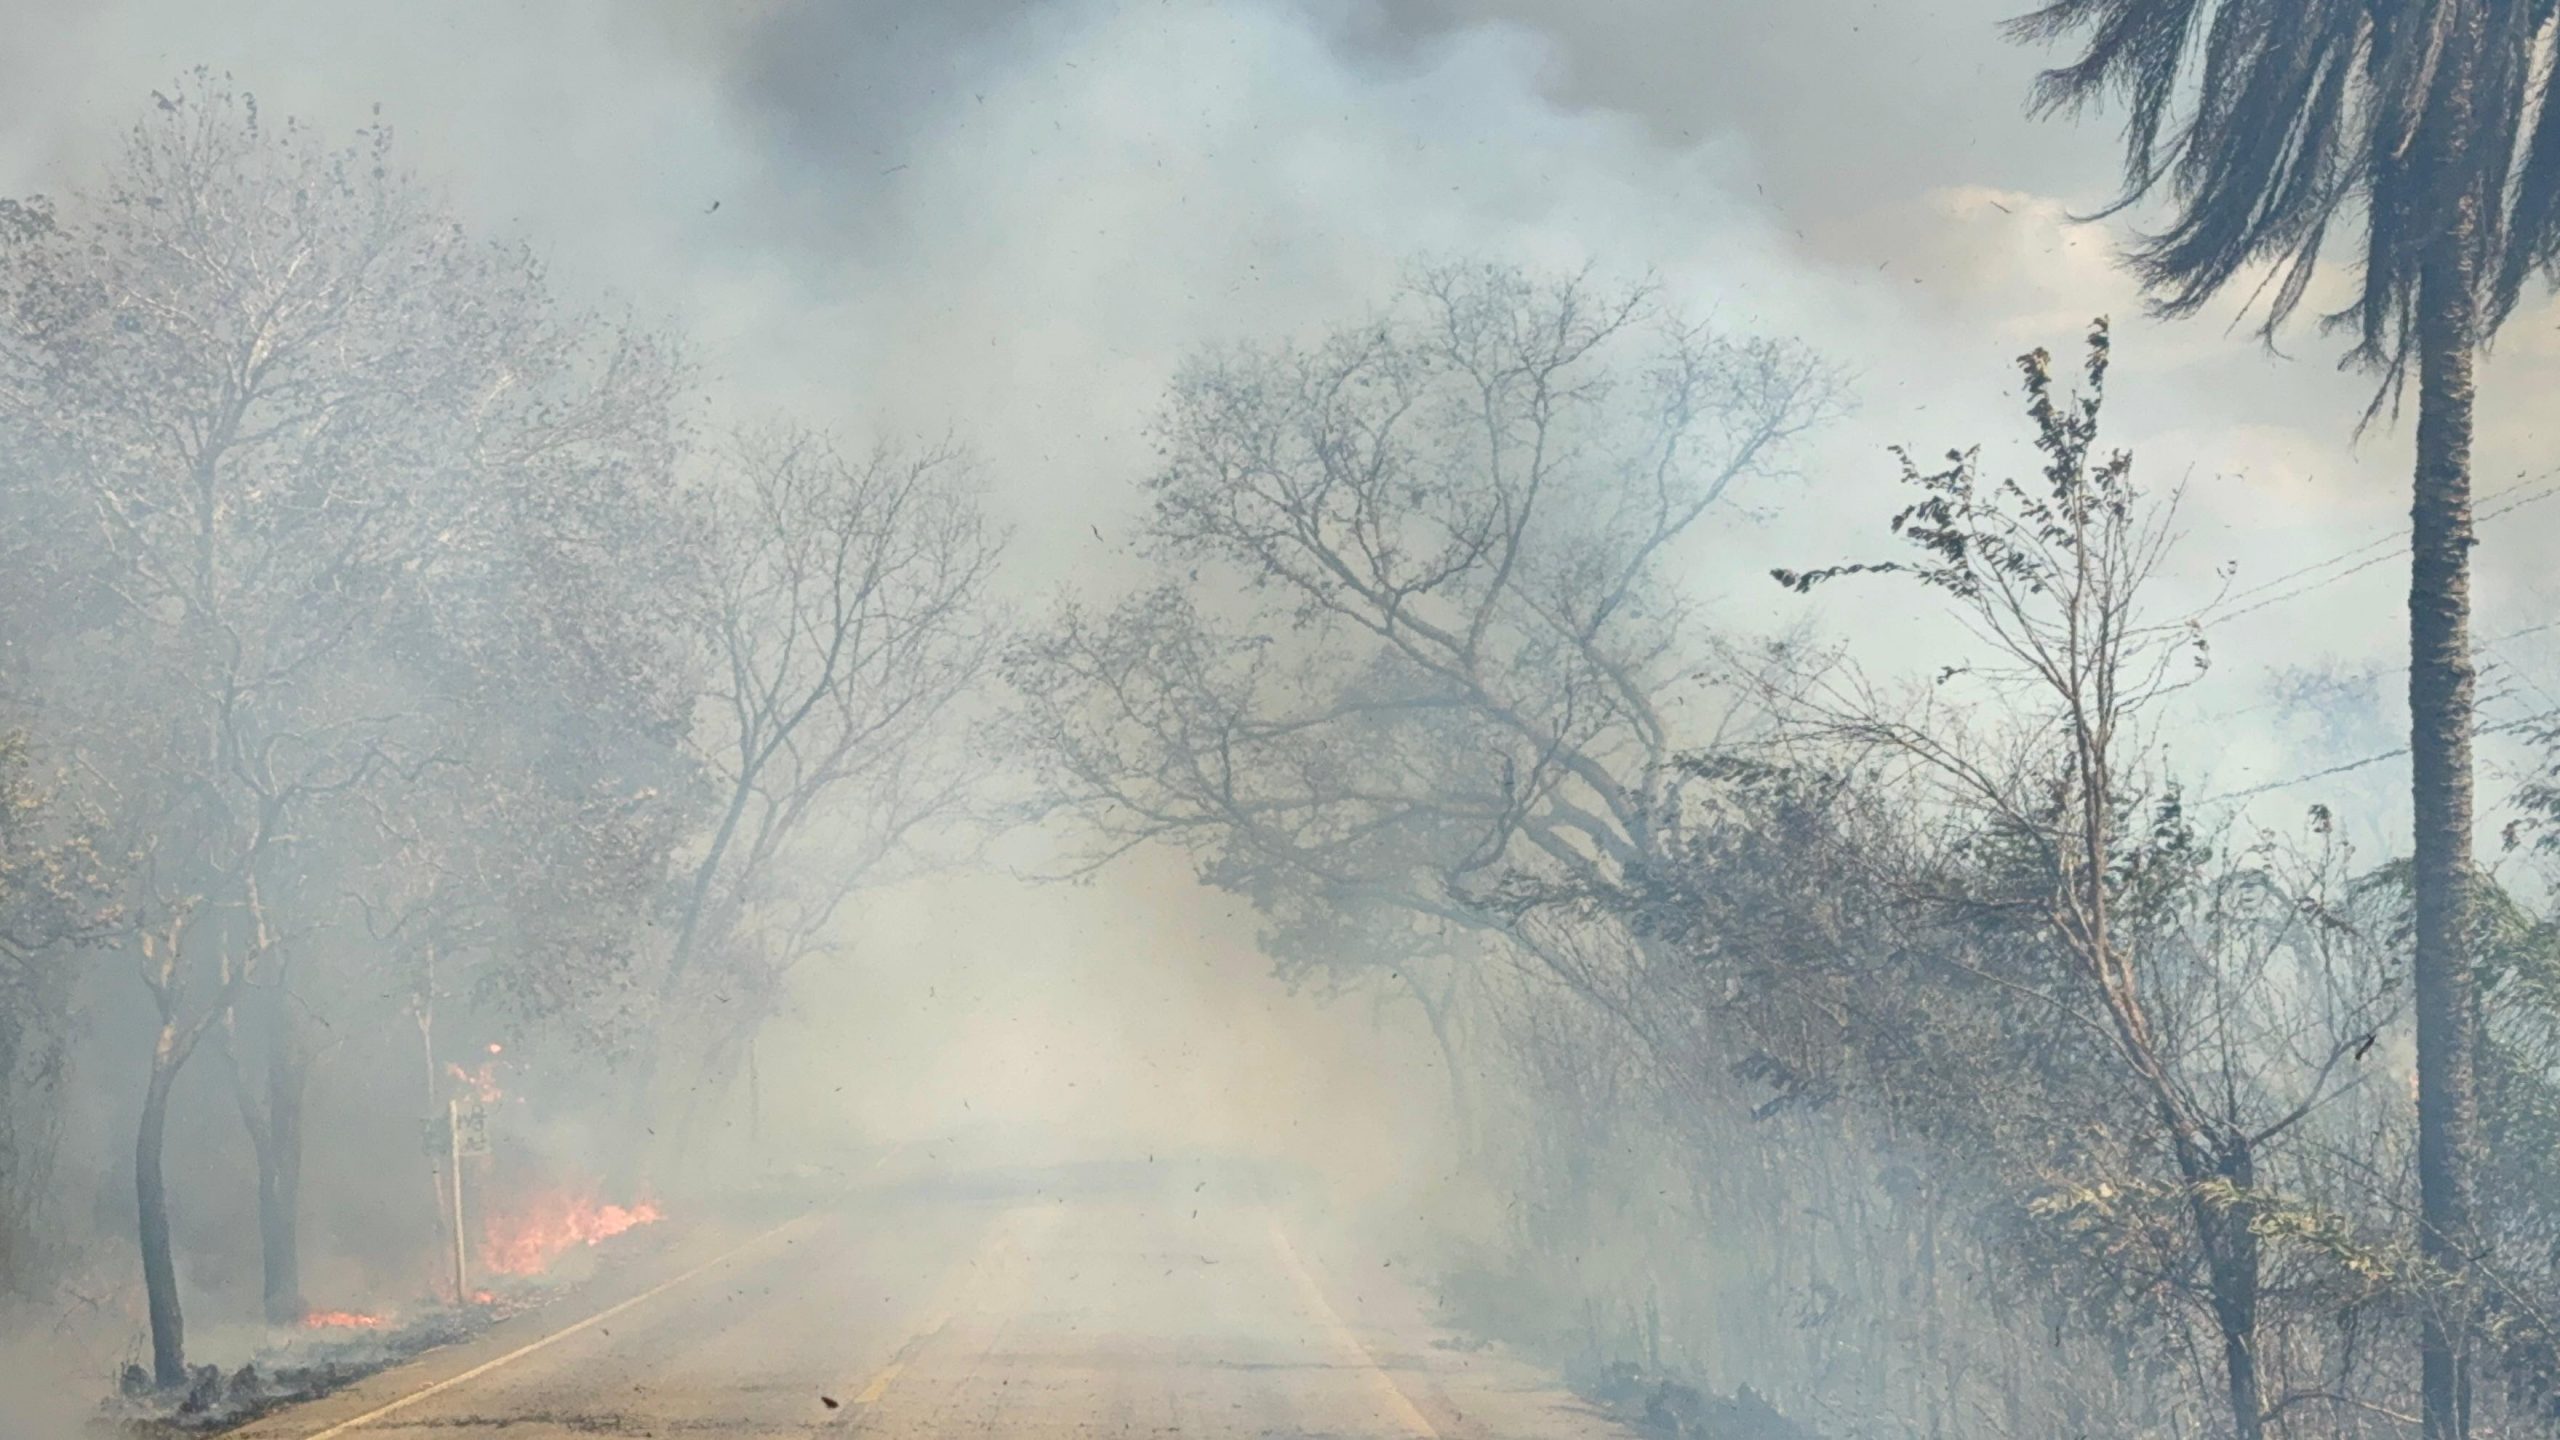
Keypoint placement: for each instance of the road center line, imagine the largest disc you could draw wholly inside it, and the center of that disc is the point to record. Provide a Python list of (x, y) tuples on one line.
[(970, 1279), (879, 1385), (521, 1351), (1391, 1396)]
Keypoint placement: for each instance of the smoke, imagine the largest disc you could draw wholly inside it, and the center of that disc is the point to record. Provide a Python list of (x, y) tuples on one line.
[(1128, 1017), (1009, 222)]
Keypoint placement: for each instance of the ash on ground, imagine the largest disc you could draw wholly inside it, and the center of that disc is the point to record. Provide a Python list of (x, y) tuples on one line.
[(301, 1365), (1664, 1408)]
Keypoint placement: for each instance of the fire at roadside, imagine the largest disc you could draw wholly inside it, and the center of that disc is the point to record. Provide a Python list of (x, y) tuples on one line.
[(530, 1240), (521, 1268)]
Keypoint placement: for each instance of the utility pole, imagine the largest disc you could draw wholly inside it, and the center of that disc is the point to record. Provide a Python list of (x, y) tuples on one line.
[(453, 1155)]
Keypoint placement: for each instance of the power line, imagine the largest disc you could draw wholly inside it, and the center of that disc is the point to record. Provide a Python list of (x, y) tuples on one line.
[(2364, 559), (2525, 722), (2494, 641), (2549, 487), (2376, 672), (2315, 566), (2398, 542), (2298, 593)]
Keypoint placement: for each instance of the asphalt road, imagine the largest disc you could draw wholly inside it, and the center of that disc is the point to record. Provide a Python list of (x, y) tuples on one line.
[(1022, 1310)]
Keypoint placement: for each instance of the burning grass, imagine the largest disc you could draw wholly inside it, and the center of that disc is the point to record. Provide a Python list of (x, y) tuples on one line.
[(330, 1349), (528, 1240), (343, 1320)]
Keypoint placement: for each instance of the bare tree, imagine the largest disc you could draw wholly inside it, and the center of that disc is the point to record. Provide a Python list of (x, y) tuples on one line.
[(282, 401), (1418, 629), (844, 621)]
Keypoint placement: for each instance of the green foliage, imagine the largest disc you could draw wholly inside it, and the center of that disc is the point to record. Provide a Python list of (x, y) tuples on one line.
[(1977, 536)]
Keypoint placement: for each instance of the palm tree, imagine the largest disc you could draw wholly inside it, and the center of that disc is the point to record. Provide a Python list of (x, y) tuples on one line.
[(2428, 129)]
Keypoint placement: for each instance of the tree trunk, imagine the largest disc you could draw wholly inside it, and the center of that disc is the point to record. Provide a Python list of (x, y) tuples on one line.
[(2237, 1318), (2232, 1269), (698, 893), (1437, 1012), (630, 1169), (2440, 721), (272, 1115), (151, 1197), (280, 1187)]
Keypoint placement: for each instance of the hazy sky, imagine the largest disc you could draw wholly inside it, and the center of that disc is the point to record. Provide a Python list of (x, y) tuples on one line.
[(1011, 220)]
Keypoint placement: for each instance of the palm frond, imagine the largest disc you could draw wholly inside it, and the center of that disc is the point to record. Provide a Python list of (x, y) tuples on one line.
[(2257, 126)]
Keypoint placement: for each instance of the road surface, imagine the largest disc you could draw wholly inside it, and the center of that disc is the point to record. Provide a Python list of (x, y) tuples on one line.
[(1022, 1310)]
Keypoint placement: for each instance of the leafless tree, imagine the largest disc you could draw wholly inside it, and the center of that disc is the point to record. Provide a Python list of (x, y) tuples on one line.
[(1418, 633), (282, 402), (844, 622)]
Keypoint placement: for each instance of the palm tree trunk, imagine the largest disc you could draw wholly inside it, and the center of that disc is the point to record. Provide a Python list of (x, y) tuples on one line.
[(2440, 722)]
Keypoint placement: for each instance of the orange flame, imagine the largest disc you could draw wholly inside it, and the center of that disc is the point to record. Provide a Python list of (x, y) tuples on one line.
[(481, 1081), (526, 1242), (342, 1320)]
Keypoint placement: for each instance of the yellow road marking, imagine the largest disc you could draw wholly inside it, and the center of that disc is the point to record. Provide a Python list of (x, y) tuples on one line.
[(521, 1351), (999, 1239), (1003, 1239), (1391, 1396), (879, 1385)]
